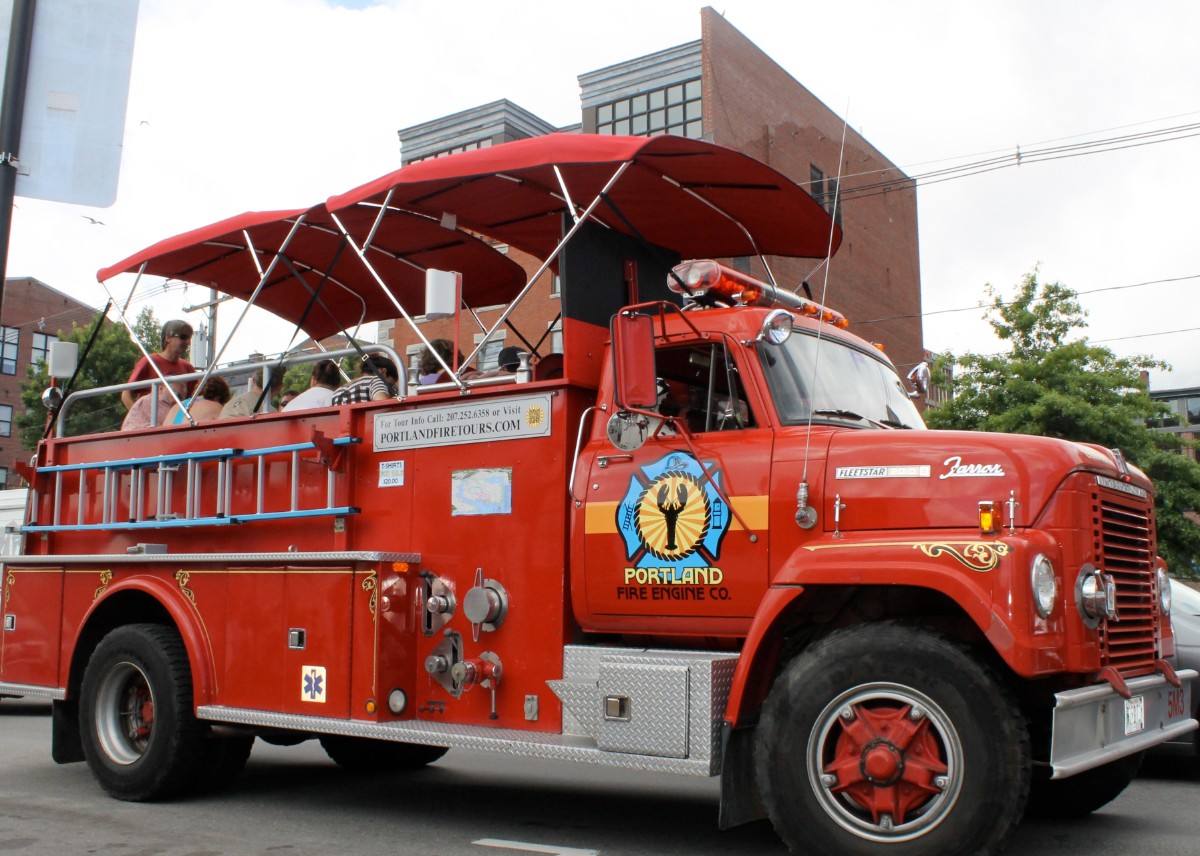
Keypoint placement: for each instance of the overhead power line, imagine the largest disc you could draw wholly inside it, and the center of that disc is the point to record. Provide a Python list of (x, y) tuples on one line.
[(980, 306), (1004, 159)]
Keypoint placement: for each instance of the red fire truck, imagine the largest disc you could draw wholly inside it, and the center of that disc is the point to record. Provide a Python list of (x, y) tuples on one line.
[(711, 536)]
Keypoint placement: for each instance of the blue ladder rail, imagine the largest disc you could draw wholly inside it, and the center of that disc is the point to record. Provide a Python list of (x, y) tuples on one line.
[(164, 468)]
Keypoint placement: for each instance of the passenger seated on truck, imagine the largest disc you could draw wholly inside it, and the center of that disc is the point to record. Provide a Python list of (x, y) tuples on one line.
[(204, 406), (507, 363), (377, 380), (245, 404), (139, 415), (324, 380), (429, 370)]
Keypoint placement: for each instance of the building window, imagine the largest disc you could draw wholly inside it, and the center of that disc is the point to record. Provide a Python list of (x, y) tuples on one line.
[(825, 191), (816, 182), (489, 357), (6, 414), (675, 109), (4, 477), (41, 347), (10, 340), (1193, 410), (556, 340), (465, 147)]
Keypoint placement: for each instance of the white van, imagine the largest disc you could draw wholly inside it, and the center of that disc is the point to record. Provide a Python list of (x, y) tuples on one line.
[(12, 515)]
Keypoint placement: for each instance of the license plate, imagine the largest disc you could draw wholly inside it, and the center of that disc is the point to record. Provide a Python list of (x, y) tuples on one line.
[(1135, 715)]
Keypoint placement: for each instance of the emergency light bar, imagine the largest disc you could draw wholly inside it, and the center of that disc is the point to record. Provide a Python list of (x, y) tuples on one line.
[(707, 281)]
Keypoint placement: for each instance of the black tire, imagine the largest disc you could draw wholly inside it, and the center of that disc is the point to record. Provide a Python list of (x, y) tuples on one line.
[(1081, 794), (139, 732), (898, 718), (378, 756), (223, 761)]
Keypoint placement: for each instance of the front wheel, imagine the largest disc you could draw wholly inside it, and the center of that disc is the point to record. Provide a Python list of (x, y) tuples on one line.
[(140, 735), (884, 738)]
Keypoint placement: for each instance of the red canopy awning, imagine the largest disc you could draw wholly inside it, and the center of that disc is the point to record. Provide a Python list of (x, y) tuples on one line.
[(316, 260), (676, 193), (694, 198)]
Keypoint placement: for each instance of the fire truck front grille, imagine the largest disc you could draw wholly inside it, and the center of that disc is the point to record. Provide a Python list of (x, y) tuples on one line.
[(1125, 550)]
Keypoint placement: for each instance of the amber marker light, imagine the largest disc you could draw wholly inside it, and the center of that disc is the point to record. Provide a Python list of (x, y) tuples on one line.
[(989, 517), (709, 280), (371, 707)]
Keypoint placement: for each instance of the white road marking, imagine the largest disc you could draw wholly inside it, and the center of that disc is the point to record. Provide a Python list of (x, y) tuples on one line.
[(551, 849)]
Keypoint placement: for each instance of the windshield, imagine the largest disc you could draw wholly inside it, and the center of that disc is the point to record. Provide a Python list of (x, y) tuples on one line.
[(840, 383)]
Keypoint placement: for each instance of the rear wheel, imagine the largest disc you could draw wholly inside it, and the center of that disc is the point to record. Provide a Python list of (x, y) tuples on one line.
[(378, 756), (891, 739), (139, 733)]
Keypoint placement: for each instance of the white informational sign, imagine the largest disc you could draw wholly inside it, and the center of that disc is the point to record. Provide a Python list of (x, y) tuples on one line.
[(75, 99), (391, 473), (473, 422)]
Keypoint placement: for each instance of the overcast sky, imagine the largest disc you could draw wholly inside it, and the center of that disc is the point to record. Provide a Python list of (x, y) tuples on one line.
[(261, 104)]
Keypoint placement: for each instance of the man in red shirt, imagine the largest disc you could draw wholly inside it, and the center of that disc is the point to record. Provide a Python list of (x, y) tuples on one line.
[(176, 339)]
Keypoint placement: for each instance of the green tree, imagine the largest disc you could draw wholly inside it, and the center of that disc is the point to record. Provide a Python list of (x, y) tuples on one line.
[(1050, 383), (148, 330), (110, 361)]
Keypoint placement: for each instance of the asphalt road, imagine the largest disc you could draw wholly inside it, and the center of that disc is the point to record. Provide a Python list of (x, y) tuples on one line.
[(294, 802)]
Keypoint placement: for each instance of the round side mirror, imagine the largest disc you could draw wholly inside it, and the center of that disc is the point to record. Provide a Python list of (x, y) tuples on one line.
[(52, 399), (919, 377), (776, 327), (628, 432)]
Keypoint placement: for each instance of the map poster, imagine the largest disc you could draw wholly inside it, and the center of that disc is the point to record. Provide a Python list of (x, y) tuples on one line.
[(481, 491)]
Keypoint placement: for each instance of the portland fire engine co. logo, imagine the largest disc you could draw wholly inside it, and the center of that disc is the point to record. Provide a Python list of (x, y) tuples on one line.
[(673, 520)]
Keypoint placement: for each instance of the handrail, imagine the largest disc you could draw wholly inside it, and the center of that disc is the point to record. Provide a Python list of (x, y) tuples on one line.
[(240, 368)]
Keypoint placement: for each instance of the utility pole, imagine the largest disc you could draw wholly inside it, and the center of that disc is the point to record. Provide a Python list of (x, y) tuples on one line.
[(12, 110), (214, 298)]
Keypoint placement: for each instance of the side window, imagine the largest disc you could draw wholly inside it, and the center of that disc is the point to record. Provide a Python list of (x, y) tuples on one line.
[(700, 384)]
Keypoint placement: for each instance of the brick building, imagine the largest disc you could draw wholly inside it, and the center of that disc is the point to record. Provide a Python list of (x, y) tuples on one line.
[(32, 316), (724, 89)]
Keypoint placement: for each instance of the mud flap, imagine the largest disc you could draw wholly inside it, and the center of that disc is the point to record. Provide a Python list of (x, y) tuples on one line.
[(65, 745), (740, 799)]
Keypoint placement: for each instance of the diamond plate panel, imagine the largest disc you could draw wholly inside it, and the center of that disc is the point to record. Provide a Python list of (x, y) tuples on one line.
[(579, 707), (521, 744), (657, 709)]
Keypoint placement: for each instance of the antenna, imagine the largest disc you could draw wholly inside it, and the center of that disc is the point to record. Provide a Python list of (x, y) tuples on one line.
[(806, 516)]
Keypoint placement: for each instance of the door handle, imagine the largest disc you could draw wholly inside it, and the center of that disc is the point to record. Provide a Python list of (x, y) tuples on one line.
[(602, 460)]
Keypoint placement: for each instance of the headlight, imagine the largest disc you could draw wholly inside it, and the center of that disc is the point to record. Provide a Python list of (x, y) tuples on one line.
[(1164, 591), (1044, 585)]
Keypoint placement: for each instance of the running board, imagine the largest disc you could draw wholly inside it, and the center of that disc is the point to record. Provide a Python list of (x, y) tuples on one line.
[(524, 744)]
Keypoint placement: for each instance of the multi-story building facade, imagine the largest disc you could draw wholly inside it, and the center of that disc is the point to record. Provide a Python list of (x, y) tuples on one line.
[(33, 315), (724, 89), (1184, 418)]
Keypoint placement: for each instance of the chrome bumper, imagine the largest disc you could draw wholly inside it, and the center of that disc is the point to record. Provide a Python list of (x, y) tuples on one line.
[(1095, 725)]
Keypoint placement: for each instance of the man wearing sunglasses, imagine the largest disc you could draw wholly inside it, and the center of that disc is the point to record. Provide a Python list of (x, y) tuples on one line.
[(176, 339)]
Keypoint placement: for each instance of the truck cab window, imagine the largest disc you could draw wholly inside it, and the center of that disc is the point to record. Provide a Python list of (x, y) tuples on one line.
[(833, 382), (700, 384)]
